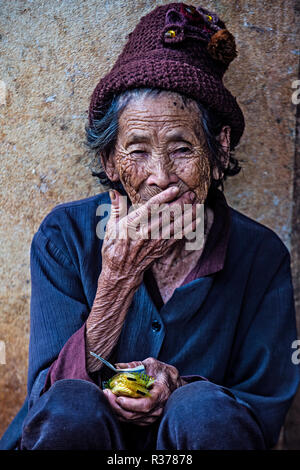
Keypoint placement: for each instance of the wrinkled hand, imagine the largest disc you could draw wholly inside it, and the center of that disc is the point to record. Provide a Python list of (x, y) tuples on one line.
[(145, 411), (127, 255)]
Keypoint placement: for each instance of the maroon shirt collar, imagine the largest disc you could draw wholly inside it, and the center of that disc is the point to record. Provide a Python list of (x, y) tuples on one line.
[(213, 256)]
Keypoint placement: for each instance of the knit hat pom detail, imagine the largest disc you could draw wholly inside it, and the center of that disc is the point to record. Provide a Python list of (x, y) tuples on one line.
[(222, 46)]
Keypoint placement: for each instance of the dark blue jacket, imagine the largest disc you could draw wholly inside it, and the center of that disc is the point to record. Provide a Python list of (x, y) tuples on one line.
[(235, 327)]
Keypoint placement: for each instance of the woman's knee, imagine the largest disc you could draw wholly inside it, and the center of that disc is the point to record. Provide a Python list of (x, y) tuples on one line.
[(196, 399), (203, 415), (69, 414), (74, 401)]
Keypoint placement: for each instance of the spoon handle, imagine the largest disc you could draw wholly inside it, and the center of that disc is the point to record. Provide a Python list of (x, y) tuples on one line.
[(108, 364), (139, 368)]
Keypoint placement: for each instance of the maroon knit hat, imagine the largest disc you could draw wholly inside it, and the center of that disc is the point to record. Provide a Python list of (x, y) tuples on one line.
[(179, 48)]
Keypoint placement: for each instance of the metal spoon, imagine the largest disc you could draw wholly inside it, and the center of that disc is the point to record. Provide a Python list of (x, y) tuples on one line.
[(138, 369)]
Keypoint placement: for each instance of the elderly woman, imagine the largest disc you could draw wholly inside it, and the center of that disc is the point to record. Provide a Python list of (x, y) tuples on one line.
[(212, 325)]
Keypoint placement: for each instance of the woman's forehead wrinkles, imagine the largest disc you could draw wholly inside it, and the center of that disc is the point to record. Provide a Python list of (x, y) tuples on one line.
[(167, 132), (156, 119), (140, 126), (142, 122)]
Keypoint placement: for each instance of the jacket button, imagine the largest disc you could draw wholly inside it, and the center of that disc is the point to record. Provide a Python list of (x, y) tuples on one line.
[(156, 326)]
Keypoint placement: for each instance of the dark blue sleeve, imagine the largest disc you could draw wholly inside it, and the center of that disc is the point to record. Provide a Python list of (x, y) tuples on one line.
[(58, 307), (262, 375)]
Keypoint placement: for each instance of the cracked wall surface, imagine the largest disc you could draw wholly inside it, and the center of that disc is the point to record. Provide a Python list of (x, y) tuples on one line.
[(52, 54)]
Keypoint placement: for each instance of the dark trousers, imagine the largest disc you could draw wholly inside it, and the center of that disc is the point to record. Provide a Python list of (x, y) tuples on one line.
[(75, 414)]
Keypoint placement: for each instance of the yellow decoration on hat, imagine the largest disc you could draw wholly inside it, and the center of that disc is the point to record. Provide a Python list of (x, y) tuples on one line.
[(170, 34)]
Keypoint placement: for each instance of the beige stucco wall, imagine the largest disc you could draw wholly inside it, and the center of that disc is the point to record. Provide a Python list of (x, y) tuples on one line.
[(52, 54)]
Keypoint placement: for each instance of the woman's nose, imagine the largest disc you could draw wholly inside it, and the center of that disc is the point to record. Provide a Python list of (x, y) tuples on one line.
[(161, 176)]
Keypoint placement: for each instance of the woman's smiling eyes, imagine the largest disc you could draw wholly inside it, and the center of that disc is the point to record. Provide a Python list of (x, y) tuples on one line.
[(184, 150), (174, 151), (138, 152)]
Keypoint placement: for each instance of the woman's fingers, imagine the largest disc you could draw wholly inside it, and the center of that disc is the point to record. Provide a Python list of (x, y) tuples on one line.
[(136, 238), (136, 405), (165, 196), (118, 211), (146, 420), (141, 213), (165, 221), (112, 398), (146, 404), (128, 365), (129, 415), (118, 204), (154, 217)]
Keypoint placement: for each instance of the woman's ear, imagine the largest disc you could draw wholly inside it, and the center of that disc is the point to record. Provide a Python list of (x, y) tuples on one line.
[(108, 163), (224, 139)]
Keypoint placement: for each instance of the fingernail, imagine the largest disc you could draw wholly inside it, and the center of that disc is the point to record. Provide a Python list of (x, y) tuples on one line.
[(112, 195), (174, 189)]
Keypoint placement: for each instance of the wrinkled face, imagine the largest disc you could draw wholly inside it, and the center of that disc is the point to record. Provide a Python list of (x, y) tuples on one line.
[(160, 143)]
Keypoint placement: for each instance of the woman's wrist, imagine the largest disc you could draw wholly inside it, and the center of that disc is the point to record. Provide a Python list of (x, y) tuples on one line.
[(118, 281)]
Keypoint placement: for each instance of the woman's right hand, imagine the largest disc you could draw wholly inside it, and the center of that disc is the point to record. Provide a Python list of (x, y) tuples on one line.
[(126, 255), (124, 260)]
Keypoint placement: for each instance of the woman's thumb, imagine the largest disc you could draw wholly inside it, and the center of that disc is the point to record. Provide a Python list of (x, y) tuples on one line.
[(113, 195), (119, 206)]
